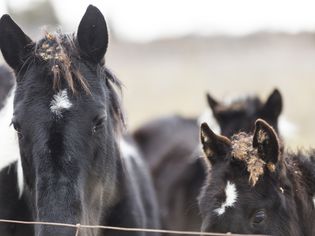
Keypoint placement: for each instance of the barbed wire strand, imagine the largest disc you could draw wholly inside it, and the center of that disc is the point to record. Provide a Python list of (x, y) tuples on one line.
[(79, 226)]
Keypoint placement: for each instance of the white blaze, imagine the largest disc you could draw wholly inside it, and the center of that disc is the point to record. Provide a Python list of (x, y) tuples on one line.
[(60, 102), (231, 197)]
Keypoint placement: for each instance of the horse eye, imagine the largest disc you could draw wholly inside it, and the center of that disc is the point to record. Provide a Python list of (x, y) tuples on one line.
[(259, 217), (98, 123)]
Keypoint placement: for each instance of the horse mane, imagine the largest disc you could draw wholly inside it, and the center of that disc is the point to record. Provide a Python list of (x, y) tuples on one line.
[(113, 84), (60, 52), (240, 103), (301, 165)]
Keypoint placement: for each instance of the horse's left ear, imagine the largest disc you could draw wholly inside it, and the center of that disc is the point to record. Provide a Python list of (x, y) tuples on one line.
[(13, 43), (267, 142), (215, 147), (93, 35), (273, 106), (213, 103)]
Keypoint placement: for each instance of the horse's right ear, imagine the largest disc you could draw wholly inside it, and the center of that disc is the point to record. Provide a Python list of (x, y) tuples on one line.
[(266, 141), (13, 43), (212, 102), (93, 35), (273, 106), (214, 146)]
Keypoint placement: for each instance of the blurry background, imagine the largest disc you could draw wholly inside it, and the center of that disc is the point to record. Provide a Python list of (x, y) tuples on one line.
[(169, 53)]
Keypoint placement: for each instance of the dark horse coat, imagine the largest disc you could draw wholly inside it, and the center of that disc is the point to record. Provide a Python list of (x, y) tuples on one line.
[(74, 166), (255, 187), (171, 147)]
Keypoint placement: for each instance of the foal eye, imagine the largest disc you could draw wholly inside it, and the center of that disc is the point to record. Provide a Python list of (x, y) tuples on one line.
[(259, 217)]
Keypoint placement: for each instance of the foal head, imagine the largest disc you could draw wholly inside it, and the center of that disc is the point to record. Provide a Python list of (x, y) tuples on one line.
[(241, 114), (65, 113), (249, 188)]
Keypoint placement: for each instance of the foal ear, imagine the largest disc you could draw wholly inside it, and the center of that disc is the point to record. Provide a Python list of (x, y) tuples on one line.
[(212, 102), (93, 35), (214, 146), (13, 43), (266, 141), (273, 106)]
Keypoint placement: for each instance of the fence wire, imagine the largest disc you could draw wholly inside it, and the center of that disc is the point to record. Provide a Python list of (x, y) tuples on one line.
[(125, 229)]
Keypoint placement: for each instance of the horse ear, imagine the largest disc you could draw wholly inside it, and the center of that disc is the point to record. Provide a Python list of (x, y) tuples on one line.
[(214, 146), (212, 102), (266, 140), (273, 106), (93, 35), (13, 43)]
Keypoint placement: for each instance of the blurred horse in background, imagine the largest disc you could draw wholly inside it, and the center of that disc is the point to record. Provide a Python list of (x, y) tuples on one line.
[(171, 147), (6, 83)]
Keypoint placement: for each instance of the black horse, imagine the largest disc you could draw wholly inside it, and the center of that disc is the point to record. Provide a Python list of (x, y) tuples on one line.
[(241, 114), (171, 148), (75, 167), (255, 187)]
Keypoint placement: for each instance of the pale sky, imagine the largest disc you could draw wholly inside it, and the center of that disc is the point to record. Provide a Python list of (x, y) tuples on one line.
[(143, 20)]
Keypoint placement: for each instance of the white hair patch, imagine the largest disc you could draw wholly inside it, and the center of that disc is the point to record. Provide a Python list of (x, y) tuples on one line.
[(230, 200), (9, 147), (20, 177), (128, 150), (130, 154), (60, 102)]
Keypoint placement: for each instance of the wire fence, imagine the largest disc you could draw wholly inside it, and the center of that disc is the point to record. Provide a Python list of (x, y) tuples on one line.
[(79, 226)]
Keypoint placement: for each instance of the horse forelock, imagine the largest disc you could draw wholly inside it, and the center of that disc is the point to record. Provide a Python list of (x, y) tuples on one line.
[(59, 52), (61, 55), (243, 150)]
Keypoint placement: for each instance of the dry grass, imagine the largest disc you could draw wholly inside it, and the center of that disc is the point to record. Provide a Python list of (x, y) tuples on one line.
[(172, 76)]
